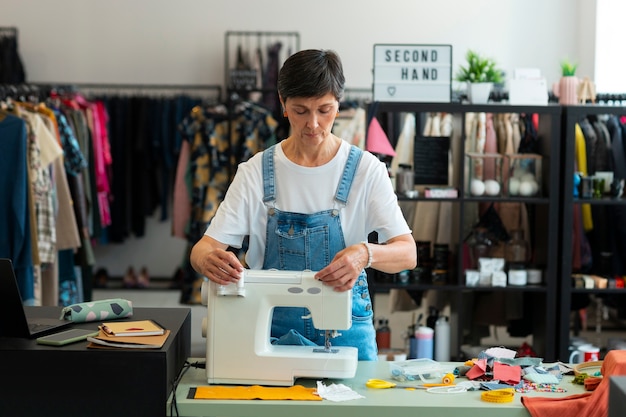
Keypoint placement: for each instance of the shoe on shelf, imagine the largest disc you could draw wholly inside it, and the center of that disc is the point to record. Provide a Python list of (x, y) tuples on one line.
[(143, 280), (130, 279)]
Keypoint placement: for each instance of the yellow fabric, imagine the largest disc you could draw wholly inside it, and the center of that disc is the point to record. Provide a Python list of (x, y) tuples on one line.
[(256, 392), (581, 160)]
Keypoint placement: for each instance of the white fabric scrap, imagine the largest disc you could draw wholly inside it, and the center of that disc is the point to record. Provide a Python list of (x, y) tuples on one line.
[(337, 392), (500, 352)]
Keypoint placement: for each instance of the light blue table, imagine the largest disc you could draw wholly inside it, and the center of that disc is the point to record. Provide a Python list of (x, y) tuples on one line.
[(377, 403)]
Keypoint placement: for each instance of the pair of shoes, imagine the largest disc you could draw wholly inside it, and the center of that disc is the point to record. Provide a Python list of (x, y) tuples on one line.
[(100, 278), (130, 279), (177, 279), (143, 280)]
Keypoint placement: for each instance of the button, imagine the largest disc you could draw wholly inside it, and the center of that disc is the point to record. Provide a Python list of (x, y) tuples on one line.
[(368, 307), (335, 213), (364, 295), (314, 290), (271, 211), (295, 290)]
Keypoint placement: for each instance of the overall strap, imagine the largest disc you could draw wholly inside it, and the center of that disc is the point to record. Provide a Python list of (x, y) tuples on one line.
[(269, 183), (343, 188)]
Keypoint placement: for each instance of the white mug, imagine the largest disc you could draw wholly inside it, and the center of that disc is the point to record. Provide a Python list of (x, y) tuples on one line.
[(585, 353)]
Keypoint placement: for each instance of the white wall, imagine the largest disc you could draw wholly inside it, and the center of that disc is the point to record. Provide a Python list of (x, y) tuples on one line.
[(609, 56), (182, 41), (164, 41)]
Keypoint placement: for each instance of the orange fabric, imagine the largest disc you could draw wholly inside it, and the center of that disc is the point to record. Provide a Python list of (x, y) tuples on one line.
[(256, 392), (594, 404)]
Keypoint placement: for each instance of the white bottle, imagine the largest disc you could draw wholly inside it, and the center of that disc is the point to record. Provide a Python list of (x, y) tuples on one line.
[(442, 340)]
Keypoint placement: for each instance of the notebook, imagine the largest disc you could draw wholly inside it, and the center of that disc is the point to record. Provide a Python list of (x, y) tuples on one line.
[(13, 320)]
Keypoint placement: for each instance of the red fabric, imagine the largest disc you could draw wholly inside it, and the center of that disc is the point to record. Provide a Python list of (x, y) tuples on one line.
[(478, 370), (507, 374), (594, 404)]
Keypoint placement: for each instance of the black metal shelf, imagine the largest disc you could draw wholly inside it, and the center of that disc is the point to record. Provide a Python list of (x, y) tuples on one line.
[(604, 201), (528, 200), (571, 116), (591, 291), (546, 209), (382, 287)]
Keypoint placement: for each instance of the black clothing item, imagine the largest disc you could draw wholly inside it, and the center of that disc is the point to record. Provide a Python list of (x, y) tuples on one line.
[(11, 67)]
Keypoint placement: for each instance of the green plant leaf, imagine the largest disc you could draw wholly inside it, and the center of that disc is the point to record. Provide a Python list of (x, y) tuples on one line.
[(568, 69), (478, 69)]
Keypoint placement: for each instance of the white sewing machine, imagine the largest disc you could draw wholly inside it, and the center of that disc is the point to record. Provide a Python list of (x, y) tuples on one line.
[(238, 324)]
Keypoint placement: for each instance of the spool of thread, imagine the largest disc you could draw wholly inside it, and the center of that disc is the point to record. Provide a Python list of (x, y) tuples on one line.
[(448, 379), (424, 337), (442, 339)]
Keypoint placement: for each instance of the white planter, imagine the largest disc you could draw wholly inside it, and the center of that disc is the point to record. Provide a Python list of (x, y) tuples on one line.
[(478, 93)]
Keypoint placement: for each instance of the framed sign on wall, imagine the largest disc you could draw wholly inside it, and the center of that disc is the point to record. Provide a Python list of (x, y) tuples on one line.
[(413, 73)]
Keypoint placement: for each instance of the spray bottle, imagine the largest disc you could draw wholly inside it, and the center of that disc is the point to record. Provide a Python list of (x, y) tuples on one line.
[(442, 339)]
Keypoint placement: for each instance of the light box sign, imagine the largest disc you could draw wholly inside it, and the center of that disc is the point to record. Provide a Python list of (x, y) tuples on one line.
[(413, 73)]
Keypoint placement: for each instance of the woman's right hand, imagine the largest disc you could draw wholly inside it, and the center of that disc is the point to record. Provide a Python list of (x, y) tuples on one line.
[(211, 259)]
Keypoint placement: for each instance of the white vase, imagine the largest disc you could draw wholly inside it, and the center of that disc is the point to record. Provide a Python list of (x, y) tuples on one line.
[(478, 93)]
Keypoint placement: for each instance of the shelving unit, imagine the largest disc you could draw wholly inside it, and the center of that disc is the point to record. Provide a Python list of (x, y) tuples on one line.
[(571, 116), (545, 226)]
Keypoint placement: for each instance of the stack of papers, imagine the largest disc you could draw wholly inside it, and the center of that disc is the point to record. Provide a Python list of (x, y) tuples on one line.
[(142, 334)]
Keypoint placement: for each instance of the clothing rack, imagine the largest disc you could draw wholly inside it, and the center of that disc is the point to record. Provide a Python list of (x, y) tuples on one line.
[(74, 87), (359, 96), (614, 98), (9, 32), (21, 92), (235, 41)]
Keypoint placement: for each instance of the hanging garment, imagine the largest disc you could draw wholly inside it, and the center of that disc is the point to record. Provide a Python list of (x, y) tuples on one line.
[(491, 146), (43, 151), (14, 216), (604, 155), (216, 151), (181, 208), (404, 144), (580, 151), (516, 131), (591, 144), (11, 67)]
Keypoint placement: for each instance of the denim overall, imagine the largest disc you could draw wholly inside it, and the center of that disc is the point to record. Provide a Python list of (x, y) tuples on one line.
[(299, 242)]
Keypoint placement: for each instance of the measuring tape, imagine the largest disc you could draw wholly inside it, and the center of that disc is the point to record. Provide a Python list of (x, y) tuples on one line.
[(504, 395)]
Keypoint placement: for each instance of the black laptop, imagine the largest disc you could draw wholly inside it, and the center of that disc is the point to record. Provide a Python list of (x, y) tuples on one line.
[(13, 320)]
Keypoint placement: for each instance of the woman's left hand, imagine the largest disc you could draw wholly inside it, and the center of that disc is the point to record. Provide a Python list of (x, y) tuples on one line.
[(345, 268)]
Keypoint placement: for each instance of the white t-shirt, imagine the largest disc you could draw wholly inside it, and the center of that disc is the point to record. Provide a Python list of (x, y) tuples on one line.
[(372, 204)]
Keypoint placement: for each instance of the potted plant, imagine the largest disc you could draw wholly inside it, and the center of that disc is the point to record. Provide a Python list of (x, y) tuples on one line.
[(566, 88), (480, 74)]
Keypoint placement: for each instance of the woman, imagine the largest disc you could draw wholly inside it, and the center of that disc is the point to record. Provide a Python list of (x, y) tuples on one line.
[(310, 202)]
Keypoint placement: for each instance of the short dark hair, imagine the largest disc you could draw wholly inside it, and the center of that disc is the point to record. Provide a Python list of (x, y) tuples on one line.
[(311, 73)]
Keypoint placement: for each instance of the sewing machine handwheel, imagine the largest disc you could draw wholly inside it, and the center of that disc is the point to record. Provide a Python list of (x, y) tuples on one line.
[(204, 293), (205, 325)]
